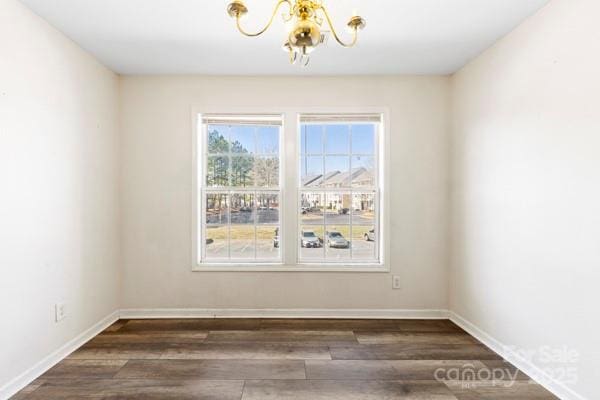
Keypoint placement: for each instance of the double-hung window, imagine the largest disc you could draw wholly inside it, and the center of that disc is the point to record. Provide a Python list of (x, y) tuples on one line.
[(339, 197), (240, 192), (325, 212)]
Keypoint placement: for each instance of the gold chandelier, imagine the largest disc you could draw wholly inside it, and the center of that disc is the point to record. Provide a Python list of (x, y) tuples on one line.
[(305, 20)]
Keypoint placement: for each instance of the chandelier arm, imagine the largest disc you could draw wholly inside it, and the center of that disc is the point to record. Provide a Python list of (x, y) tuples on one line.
[(335, 35), (243, 32)]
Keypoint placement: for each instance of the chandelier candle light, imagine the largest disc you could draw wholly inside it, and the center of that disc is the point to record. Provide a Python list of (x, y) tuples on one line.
[(306, 23)]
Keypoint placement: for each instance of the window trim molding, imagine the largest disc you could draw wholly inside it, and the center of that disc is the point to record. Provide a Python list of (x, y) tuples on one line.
[(288, 214)]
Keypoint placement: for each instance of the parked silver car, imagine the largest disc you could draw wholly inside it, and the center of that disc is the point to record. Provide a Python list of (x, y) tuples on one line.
[(336, 239), (370, 236), (309, 239)]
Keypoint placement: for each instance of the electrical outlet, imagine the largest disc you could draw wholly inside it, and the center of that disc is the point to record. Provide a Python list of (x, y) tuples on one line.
[(396, 282), (60, 311)]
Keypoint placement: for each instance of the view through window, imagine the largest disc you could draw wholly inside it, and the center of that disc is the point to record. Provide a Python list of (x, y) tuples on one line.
[(338, 190), (331, 217), (241, 193)]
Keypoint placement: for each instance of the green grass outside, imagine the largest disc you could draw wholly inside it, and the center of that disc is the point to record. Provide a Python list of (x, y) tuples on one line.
[(243, 232)]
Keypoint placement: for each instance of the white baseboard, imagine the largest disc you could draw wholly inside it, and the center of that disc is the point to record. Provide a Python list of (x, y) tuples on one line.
[(146, 313), (557, 388), (18, 383)]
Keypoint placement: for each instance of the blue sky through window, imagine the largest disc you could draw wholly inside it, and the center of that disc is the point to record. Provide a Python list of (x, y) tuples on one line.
[(244, 135), (245, 139), (311, 141), (311, 166), (363, 139), (268, 139), (335, 139)]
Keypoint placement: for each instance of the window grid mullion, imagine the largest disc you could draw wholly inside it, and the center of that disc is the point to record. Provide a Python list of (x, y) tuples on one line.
[(255, 222), (229, 225), (325, 196), (350, 178)]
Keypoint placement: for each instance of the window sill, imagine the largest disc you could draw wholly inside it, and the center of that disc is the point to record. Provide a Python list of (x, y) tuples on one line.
[(350, 268)]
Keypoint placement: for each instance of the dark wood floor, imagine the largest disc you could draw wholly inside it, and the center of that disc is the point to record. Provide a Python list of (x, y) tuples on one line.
[(264, 359)]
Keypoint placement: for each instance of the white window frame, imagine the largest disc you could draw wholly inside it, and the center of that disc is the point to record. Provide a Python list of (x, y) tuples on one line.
[(256, 191), (290, 192), (351, 191)]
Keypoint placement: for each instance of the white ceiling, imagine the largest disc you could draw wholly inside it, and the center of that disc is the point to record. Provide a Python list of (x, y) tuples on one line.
[(198, 37)]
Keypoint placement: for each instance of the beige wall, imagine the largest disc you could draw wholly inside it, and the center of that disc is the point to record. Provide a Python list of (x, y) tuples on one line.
[(58, 189), (524, 164), (156, 189), (526, 187)]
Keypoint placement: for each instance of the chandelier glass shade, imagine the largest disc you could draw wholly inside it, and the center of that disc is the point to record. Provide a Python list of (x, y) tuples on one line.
[(306, 18)]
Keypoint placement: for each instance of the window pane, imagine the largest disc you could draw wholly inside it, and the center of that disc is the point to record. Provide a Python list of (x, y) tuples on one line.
[(363, 171), (337, 242), (311, 243), (242, 139), (268, 140), (337, 172), (217, 242), (363, 242), (267, 172), (218, 142), (311, 208), (242, 171), (242, 241), (217, 171), (242, 208), (363, 139), (363, 209), (311, 140), (267, 242), (217, 208), (311, 171), (337, 139), (339, 159), (240, 162), (267, 208), (338, 208)]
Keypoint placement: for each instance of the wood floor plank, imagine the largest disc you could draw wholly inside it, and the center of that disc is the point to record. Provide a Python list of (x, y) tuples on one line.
[(414, 338), (160, 389), (249, 351), (414, 352), (119, 351), (27, 390), (382, 369), (361, 325), (507, 368), (116, 326), (208, 324), (499, 391), (84, 369), (213, 369), (345, 390), (305, 338), (150, 337)]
